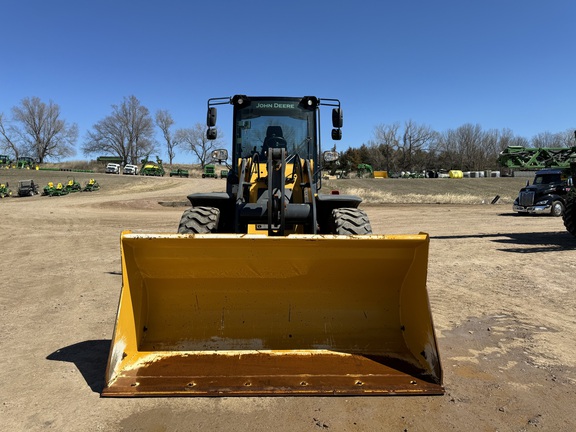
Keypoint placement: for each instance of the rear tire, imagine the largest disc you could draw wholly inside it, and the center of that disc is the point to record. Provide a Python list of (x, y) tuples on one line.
[(570, 213), (349, 221), (199, 220)]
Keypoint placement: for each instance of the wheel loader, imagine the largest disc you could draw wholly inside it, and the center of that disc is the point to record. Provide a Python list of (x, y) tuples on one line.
[(258, 292)]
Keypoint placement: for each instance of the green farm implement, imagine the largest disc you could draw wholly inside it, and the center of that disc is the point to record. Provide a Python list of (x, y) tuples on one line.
[(150, 168), (209, 171), (179, 173)]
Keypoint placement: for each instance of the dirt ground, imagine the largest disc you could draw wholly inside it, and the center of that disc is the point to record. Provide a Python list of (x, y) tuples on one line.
[(501, 288)]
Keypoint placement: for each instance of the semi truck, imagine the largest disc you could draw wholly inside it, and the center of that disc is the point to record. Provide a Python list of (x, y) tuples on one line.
[(553, 188)]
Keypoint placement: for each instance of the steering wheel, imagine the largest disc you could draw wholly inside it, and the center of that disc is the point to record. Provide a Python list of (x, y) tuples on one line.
[(276, 142)]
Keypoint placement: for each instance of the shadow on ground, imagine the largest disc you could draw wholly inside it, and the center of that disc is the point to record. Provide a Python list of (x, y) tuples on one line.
[(529, 242), (90, 357)]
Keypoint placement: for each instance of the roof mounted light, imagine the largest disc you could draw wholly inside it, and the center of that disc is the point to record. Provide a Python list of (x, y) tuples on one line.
[(310, 102), (240, 100)]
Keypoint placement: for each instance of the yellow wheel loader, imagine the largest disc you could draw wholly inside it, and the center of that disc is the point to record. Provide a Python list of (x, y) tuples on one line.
[(259, 292)]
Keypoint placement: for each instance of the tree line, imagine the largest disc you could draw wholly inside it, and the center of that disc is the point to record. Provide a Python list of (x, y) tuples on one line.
[(36, 129), (415, 148)]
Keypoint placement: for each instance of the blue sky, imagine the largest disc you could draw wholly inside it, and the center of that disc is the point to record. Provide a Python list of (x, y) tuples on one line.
[(497, 63)]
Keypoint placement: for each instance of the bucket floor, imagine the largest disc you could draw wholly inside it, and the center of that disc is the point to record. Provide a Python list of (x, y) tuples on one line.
[(276, 373)]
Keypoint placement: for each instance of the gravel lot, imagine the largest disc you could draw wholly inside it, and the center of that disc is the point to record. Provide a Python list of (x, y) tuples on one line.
[(501, 289)]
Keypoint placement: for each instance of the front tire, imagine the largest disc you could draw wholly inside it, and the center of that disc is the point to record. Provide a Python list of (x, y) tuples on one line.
[(349, 221), (557, 209), (570, 213), (199, 220)]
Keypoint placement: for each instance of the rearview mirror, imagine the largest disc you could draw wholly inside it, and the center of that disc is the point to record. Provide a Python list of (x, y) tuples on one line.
[(220, 155), (337, 118), (336, 134), (211, 117), (330, 156), (211, 134)]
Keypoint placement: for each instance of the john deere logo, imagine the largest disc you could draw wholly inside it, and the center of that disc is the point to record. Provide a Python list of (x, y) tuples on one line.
[(274, 105)]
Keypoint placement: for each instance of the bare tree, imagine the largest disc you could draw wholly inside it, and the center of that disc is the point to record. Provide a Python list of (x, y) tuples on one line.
[(467, 140), (386, 137), (194, 140), (128, 132), (38, 130), (447, 151), (415, 140), (567, 138), (164, 121), (7, 138), (548, 139), (405, 149)]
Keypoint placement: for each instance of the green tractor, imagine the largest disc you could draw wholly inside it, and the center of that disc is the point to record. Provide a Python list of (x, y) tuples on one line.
[(365, 170), (5, 161), (91, 186), (150, 168), (5, 190), (59, 190), (25, 163), (73, 186), (48, 189)]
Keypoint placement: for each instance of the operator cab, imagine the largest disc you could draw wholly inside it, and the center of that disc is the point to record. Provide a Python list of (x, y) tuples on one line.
[(261, 123), (265, 123)]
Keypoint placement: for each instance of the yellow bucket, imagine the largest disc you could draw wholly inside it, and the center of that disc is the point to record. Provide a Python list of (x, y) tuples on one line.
[(222, 314)]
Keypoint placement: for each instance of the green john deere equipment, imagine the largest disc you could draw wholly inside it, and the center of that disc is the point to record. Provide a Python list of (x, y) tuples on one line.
[(5, 161), (5, 191), (59, 190), (150, 168), (73, 186), (179, 172), (25, 163), (258, 293), (48, 190), (91, 186), (209, 171), (365, 170)]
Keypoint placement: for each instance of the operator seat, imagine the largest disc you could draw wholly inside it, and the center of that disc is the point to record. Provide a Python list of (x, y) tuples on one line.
[(274, 139)]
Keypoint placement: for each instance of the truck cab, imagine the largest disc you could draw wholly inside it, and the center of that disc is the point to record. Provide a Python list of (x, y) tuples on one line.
[(130, 169), (113, 168), (546, 194)]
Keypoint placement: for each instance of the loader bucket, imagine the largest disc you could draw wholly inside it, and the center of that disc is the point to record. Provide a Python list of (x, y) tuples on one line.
[(228, 314)]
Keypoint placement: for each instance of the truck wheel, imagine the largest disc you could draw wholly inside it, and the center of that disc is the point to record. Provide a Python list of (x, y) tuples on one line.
[(199, 220), (570, 213), (557, 209), (349, 221)]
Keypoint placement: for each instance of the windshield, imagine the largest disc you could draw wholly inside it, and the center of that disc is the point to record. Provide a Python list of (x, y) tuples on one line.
[(274, 123), (547, 179)]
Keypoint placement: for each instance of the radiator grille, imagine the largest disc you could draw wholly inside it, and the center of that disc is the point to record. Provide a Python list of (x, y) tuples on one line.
[(526, 198)]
